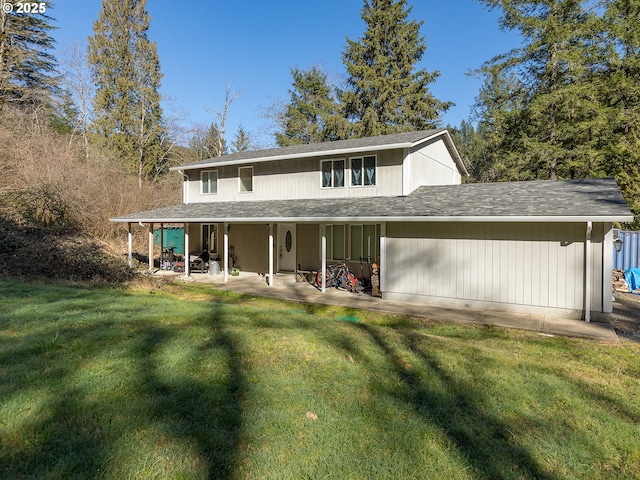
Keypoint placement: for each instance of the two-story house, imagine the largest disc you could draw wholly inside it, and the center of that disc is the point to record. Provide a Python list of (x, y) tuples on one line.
[(397, 200)]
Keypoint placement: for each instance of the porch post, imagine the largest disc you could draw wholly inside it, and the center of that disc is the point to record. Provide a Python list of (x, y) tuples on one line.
[(271, 254), (607, 267), (130, 246), (187, 260), (383, 257), (226, 252), (323, 268), (161, 244), (587, 273), (151, 248)]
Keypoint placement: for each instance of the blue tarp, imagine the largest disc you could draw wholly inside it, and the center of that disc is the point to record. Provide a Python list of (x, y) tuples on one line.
[(632, 276)]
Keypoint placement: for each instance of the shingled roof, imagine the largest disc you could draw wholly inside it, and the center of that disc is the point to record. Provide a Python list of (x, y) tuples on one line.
[(551, 201), (381, 142)]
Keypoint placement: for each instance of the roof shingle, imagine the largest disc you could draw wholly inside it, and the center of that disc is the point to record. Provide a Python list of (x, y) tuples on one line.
[(559, 200)]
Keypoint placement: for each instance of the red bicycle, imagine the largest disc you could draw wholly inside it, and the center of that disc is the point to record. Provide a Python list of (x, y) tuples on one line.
[(339, 276)]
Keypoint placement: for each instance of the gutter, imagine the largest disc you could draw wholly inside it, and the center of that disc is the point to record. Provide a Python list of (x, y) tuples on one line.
[(378, 219)]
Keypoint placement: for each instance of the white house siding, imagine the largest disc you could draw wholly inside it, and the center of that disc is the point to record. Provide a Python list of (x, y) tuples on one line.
[(430, 164), (299, 179), (512, 266)]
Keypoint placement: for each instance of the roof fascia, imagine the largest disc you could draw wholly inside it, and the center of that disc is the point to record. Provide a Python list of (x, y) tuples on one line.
[(272, 158), (365, 219)]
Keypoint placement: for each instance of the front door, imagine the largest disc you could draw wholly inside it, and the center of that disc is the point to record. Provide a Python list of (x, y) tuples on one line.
[(287, 247)]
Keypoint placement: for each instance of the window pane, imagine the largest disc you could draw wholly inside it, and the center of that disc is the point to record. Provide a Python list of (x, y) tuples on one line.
[(213, 245), (209, 182), (338, 242), (204, 179), (369, 170), (356, 171), (205, 237), (326, 174), (246, 179), (356, 242), (369, 242), (338, 173)]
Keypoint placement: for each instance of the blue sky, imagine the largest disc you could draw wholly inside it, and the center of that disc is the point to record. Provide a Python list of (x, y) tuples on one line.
[(252, 44)]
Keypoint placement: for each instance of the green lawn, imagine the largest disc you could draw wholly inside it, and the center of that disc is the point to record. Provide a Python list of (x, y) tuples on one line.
[(186, 382)]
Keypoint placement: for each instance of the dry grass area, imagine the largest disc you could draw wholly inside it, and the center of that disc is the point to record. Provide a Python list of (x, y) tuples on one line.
[(55, 203), (46, 180)]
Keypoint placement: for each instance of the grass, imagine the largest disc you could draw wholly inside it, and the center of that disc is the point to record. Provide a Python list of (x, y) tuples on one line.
[(186, 382)]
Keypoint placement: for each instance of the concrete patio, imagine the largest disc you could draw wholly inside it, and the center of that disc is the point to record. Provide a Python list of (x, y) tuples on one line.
[(286, 287)]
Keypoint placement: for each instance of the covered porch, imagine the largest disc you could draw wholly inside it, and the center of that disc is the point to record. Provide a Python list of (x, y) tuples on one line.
[(271, 250)]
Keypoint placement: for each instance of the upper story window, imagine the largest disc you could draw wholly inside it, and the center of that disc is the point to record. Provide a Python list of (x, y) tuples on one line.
[(363, 171), (209, 181), (245, 175), (332, 173)]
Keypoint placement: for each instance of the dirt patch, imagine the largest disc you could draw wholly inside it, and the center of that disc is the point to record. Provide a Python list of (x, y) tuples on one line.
[(625, 318)]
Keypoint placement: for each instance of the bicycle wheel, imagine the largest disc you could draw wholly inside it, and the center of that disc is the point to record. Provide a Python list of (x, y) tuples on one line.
[(327, 276), (348, 281)]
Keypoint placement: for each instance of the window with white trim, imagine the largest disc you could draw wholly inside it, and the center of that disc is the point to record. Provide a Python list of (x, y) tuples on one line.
[(209, 182), (245, 175), (335, 242), (210, 237), (364, 243), (363, 171), (332, 172)]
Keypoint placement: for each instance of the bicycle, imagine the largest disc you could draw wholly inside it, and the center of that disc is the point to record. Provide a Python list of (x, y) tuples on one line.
[(339, 276)]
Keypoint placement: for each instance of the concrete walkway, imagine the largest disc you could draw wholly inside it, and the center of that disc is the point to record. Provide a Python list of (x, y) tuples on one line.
[(286, 288)]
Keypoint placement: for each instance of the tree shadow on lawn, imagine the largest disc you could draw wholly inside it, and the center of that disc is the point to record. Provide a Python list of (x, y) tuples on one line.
[(208, 413), (448, 402), (79, 413)]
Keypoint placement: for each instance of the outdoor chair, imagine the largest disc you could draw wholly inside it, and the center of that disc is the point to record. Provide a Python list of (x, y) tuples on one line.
[(199, 263)]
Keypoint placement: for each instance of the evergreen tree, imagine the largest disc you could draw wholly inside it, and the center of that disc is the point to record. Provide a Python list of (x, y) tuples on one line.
[(27, 64), (385, 94), (313, 114), (126, 72), (207, 142), (241, 141), (621, 94), (65, 116), (495, 150), (556, 66)]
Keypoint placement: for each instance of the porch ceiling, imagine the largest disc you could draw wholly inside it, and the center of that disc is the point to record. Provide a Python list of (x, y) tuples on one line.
[(596, 200)]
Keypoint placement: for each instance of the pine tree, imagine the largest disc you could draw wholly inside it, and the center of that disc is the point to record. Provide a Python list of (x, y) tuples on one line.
[(27, 64), (556, 66), (621, 94), (496, 150), (313, 114), (126, 71), (241, 141), (385, 94), (207, 142)]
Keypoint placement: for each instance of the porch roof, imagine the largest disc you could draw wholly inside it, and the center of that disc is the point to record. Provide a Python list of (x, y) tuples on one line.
[(597, 200)]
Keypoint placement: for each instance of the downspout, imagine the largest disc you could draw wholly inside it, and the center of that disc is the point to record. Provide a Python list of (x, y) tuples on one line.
[(185, 189), (587, 273)]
